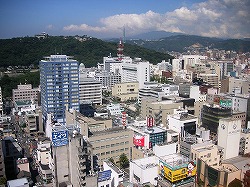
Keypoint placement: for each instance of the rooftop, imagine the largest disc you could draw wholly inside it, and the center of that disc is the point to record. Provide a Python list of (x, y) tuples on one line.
[(175, 160)]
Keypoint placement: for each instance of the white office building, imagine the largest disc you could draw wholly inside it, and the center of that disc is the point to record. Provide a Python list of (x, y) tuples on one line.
[(136, 71), (229, 136)]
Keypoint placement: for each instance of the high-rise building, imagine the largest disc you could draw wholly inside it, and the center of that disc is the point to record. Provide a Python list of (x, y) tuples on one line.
[(59, 81)]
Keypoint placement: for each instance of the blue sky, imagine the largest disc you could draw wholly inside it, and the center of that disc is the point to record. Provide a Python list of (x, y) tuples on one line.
[(106, 18)]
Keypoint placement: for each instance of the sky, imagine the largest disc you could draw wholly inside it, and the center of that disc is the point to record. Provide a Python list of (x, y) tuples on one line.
[(107, 18)]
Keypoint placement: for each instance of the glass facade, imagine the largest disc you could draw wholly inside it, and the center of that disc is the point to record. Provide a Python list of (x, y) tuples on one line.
[(59, 81)]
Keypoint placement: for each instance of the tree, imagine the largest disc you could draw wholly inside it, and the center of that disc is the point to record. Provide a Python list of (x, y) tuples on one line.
[(3, 181), (111, 160), (123, 160), (235, 183)]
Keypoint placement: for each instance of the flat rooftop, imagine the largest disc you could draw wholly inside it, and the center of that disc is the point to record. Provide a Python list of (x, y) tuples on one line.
[(108, 131), (146, 163), (175, 160)]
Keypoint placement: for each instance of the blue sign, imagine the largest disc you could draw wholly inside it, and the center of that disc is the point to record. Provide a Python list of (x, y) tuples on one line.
[(104, 175), (60, 138)]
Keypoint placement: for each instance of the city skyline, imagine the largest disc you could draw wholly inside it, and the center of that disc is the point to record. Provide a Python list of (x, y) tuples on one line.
[(106, 19)]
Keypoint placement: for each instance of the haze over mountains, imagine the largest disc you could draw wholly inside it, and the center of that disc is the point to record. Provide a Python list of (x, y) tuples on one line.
[(167, 41)]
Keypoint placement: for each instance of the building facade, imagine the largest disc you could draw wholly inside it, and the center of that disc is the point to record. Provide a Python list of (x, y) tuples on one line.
[(25, 92), (59, 81), (126, 91)]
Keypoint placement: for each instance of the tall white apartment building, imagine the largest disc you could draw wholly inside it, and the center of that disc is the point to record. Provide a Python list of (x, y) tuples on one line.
[(90, 90), (136, 71)]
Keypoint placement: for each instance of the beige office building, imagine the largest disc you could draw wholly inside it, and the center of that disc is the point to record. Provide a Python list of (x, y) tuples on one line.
[(212, 79), (218, 176), (25, 92), (208, 152), (159, 110), (111, 143), (107, 142), (126, 91)]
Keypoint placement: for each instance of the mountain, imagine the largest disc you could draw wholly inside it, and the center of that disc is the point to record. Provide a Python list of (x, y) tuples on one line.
[(87, 50), (180, 43), (153, 35)]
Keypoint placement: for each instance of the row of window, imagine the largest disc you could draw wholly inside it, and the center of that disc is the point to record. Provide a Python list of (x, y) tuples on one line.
[(112, 145), (112, 138), (112, 152)]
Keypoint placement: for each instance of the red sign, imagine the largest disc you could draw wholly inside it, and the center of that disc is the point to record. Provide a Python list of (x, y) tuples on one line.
[(124, 119), (138, 140), (150, 121)]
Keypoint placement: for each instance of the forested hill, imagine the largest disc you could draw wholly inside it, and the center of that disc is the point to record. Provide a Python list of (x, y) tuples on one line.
[(30, 50)]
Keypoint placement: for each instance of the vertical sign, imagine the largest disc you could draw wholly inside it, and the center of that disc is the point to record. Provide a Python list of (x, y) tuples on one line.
[(124, 119), (150, 122)]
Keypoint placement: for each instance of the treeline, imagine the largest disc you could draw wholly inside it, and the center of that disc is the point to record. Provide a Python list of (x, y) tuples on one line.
[(8, 83), (30, 50)]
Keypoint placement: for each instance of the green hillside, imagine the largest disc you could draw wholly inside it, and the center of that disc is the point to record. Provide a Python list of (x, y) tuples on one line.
[(30, 50), (179, 43)]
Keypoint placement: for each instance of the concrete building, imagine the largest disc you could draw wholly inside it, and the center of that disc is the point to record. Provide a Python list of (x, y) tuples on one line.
[(136, 71), (196, 94), (183, 123), (108, 79), (211, 79), (158, 91), (11, 152), (176, 170), (159, 110), (191, 60), (111, 143), (210, 153), (126, 91), (238, 85), (144, 171), (110, 176), (59, 80), (90, 91), (217, 176), (244, 142), (211, 114), (69, 157), (146, 138), (43, 158), (25, 92), (229, 136)]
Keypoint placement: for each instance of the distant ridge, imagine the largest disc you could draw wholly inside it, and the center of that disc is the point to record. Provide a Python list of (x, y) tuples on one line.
[(179, 43), (153, 35)]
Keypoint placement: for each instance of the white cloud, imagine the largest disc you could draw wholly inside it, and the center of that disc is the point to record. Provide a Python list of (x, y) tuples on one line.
[(215, 18), (49, 27)]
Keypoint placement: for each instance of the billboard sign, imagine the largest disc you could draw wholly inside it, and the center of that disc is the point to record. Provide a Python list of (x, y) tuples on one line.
[(138, 140), (60, 138), (181, 172), (104, 175), (226, 103)]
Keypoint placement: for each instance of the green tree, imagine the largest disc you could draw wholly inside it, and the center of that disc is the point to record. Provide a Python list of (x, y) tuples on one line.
[(123, 160), (235, 183), (111, 160), (3, 181)]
